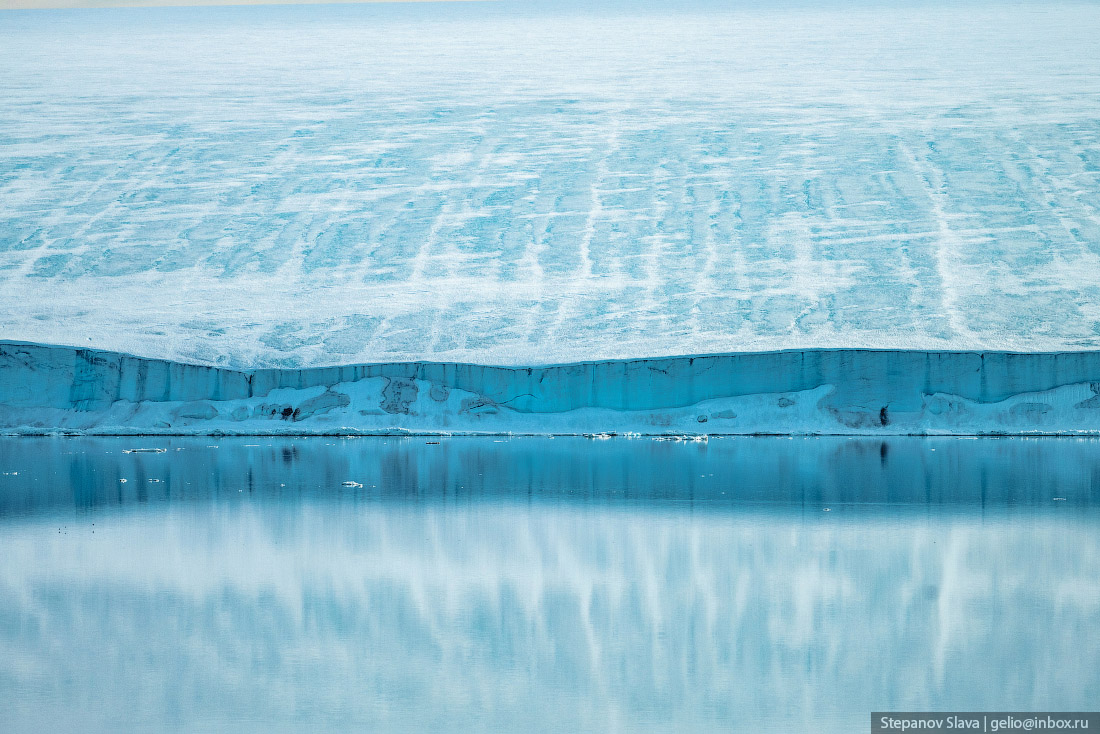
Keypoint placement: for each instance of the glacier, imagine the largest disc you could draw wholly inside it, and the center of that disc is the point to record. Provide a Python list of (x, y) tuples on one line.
[(46, 389), (523, 183), (389, 217)]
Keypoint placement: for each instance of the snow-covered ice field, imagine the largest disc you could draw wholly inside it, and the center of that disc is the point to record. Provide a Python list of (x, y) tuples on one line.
[(517, 183)]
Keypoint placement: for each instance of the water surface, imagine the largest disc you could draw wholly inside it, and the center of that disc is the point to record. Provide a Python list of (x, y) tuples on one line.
[(544, 585)]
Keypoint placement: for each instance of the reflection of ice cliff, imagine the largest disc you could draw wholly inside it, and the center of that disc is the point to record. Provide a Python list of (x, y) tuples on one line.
[(45, 389), (623, 620)]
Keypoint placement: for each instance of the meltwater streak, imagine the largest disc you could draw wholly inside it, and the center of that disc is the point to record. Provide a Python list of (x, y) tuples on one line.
[(542, 585), (48, 389)]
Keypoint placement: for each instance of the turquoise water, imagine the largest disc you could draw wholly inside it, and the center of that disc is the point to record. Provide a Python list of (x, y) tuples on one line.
[(543, 585)]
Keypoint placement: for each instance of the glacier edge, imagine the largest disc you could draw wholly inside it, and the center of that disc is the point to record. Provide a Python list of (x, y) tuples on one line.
[(56, 389)]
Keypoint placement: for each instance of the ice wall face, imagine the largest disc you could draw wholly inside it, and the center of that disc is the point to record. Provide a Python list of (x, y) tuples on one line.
[(58, 389), (512, 184)]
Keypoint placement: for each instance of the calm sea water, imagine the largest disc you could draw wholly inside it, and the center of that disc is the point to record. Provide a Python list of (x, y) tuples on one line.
[(543, 585)]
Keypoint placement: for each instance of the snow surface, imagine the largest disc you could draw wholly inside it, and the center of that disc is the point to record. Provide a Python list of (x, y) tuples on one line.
[(515, 183)]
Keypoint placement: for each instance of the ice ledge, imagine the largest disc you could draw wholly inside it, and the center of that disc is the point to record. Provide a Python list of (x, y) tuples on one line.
[(54, 389)]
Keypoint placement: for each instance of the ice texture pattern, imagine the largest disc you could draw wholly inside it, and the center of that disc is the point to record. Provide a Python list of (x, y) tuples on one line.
[(532, 183)]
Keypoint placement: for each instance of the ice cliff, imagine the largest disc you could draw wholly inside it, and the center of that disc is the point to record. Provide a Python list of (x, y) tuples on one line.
[(62, 389)]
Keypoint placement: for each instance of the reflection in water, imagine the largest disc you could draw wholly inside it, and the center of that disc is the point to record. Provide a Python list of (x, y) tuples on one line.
[(543, 585)]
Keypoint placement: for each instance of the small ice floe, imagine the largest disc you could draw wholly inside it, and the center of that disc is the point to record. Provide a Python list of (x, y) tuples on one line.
[(155, 480), (11, 474), (144, 451), (1059, 499), (431, 443), (352, 484), (826, 510), (598, 436), (122, 481)]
